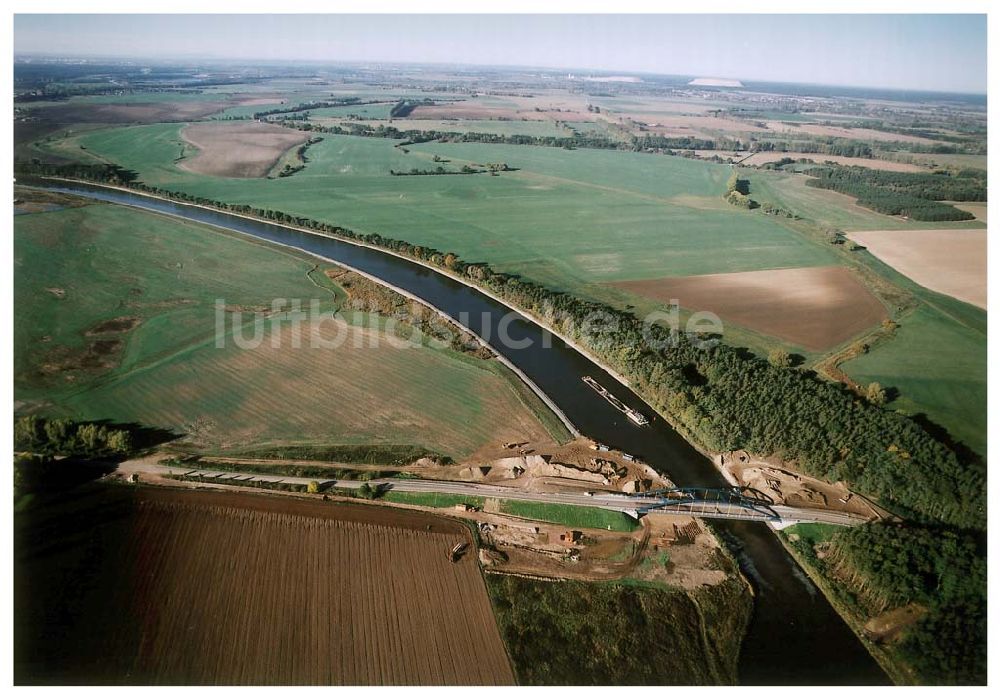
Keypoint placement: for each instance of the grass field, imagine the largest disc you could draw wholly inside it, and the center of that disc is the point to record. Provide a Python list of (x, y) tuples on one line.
[(579, 221), (432, 499), (226, 588), (581, 217), (116, 320), (938, 366), (539, 129), (571, 516), (365, 111)]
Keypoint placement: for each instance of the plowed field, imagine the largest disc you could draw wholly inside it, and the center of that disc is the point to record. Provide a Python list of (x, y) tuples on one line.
[(222, 588)]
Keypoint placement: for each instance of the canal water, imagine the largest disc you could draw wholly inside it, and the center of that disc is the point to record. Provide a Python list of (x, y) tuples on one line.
[(795, 636)]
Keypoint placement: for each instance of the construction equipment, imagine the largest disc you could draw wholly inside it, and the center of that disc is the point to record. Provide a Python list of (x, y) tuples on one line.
[(457, 551)]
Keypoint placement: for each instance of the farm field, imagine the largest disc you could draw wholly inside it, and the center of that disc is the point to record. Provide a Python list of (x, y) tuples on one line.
[(117, 321), (825, 131), (236, 149), (977, 209), (938, 366), (583, 217), (936, 160), (224, 588), (814, 308), (952, 262), (762, 158)]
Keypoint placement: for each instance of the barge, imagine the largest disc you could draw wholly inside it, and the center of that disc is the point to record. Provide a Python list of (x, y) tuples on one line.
[(636, 417)]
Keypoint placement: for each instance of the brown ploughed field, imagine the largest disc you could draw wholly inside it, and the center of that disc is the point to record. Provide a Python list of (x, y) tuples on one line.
[(816, 308), (197, 587), (238, 149), (138, 112)]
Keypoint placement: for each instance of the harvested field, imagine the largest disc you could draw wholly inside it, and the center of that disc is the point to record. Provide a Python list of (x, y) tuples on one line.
[(241, 150), (815, 307), (815, 129), (223, 588), (952, 262), (152, 112), (762, 158), (698, 123), (977, 209)]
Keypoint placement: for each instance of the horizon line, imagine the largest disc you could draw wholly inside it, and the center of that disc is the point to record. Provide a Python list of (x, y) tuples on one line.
[(368, 61)]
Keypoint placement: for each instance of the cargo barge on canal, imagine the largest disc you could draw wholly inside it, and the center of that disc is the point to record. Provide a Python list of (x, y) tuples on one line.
[(638, 418)]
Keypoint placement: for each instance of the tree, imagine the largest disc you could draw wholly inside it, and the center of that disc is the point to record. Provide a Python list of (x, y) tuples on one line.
[(27, 432), (875, 393), (779, 358), (120, 441), (92, 436), (59, 432)]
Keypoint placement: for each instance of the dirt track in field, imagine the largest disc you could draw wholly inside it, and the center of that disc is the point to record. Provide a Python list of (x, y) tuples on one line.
[(229, 588), (952, 262), (238, 149), (815, 307)]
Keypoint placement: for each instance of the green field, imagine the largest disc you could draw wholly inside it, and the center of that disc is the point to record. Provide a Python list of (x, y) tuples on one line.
[(571, 516), (80, 267), (570, 219), (365, 111), (575, 220), (431, 499), (938, 365), (541, 129)]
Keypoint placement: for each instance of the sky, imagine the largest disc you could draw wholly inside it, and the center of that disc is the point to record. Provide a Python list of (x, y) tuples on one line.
[(922, 52)]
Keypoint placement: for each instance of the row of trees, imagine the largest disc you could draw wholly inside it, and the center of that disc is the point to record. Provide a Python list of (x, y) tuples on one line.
[(307, 106), (727, 399), (916, 195), (70, 438)]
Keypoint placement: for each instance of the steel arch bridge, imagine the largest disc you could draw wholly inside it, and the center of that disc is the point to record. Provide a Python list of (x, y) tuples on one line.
[(725, 502)]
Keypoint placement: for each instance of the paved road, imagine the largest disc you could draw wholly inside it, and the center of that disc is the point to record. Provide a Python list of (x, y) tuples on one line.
[(630, 505)]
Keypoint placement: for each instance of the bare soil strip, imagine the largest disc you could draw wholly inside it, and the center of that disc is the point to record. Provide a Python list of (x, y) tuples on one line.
[(814, 307), (952, 262)]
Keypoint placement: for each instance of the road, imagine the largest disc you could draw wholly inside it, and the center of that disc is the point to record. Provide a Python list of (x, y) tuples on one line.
[(627, 504)]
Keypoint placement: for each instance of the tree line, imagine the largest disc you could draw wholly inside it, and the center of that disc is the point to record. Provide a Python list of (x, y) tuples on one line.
[(914, 194)]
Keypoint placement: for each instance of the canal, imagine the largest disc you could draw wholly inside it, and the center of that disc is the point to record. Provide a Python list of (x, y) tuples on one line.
[(795, 636)]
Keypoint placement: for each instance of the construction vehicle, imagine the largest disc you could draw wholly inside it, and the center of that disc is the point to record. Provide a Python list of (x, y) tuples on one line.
[(457, 551)]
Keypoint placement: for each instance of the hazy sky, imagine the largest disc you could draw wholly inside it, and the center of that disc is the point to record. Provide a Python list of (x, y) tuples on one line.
[(932, 52)]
